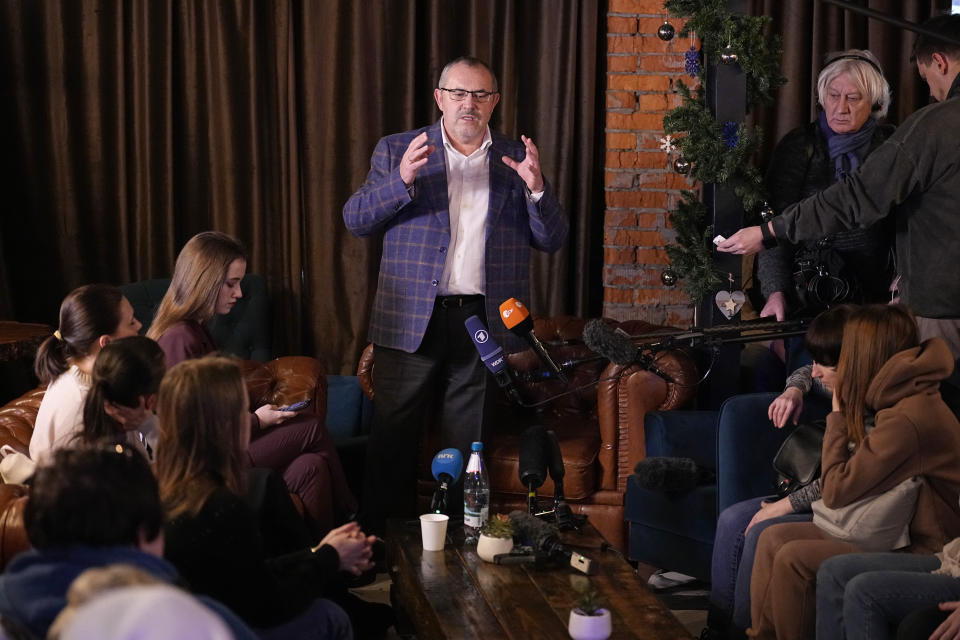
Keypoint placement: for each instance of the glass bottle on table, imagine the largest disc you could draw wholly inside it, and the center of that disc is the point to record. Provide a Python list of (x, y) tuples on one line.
[(476, 495)]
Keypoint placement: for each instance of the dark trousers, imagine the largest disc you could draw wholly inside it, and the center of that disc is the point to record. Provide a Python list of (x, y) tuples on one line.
[(443, 379)]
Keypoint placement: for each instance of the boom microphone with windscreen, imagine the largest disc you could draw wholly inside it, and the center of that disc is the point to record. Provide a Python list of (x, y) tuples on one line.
[(544, 539)]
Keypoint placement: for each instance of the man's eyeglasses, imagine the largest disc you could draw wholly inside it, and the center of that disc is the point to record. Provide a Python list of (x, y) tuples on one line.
[(461, 94)]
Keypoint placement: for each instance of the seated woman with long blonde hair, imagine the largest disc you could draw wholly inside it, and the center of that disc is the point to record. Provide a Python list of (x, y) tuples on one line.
[(206, 282)]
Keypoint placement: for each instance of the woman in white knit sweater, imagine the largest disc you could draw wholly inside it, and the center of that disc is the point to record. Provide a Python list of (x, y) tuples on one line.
[(90, 317)]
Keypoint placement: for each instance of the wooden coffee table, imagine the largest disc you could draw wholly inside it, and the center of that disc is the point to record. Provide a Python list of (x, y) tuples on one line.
[(454, 594)]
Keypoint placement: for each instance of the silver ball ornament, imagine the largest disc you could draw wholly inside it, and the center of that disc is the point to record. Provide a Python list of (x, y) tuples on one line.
[(682, 166), (669, 277), (728, 55), (666, 31)]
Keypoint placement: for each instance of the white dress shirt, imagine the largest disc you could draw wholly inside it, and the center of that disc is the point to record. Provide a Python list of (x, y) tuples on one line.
[(468, 190)]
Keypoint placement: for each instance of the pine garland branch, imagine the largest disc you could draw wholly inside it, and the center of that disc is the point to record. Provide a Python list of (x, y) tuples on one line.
[(719, 153)]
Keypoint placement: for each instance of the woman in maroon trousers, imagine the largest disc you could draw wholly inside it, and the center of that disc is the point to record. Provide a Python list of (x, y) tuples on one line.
[(206, 281)]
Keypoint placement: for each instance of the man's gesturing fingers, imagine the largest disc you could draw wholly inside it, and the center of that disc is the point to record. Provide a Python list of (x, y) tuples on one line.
[(416, 155)]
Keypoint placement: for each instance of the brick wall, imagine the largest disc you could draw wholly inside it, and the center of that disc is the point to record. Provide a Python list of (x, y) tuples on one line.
[(640, 184)]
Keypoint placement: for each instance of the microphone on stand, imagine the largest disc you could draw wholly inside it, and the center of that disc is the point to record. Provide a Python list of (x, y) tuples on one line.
[(517, 320), (491, 354), (446, 468), (532, 463), (561, 510)]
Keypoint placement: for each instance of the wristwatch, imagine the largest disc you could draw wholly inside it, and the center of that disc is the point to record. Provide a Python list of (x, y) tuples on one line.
[(769, 240)]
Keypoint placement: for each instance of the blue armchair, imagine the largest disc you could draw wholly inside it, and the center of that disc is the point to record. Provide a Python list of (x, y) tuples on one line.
[(675, 531)]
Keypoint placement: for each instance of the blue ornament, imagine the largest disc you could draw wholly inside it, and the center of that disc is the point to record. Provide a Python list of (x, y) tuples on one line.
[(729, 135), (692, 64)]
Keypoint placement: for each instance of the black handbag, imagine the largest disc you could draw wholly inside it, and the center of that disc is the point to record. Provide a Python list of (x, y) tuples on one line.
[(797, 462)]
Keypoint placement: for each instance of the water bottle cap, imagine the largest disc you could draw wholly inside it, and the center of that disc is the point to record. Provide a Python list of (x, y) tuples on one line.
[(476, 446)]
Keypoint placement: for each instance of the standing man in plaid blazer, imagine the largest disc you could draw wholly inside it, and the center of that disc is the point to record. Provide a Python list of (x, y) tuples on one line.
[(459, 208)]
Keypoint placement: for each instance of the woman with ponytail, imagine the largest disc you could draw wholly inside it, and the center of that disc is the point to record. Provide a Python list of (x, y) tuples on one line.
[(122, 399), (90, 317)]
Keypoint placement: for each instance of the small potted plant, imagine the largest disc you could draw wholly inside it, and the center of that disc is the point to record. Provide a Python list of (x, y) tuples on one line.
[(496, 537), (588, 621)]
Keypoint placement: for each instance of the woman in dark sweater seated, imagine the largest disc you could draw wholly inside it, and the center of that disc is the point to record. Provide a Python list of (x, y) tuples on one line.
[(255, 558), (206, 282)]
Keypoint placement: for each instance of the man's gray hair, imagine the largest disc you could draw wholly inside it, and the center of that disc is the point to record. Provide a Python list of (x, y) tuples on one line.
[(469, 61)]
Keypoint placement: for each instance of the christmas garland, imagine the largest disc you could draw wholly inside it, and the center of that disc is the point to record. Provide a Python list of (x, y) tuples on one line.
[(715, 152)]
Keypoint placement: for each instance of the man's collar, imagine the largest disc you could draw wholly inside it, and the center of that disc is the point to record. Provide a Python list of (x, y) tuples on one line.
[(954, 88), (487, 139)]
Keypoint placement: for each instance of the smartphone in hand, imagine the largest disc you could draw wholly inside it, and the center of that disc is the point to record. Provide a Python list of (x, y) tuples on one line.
[(296, 406)]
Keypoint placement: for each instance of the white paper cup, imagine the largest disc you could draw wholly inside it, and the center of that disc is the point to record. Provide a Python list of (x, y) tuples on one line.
[(433, 529)]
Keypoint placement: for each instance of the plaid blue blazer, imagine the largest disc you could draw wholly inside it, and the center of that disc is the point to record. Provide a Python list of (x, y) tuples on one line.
[(416, 234)]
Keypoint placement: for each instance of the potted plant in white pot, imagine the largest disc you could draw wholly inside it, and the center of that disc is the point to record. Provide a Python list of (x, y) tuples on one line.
[(496, 537), (588, 621)]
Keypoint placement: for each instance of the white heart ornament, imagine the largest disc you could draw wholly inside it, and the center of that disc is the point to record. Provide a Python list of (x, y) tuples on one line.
[(729, 302)]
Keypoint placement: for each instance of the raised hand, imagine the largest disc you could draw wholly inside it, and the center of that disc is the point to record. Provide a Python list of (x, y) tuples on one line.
[(416, 155), (746, 241), (528, 168)]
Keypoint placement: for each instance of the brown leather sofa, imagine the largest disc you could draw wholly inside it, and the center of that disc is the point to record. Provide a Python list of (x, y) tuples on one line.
[(599, 423), (280, 381)]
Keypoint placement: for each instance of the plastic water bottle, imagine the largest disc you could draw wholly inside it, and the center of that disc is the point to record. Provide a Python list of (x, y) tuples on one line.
[(476, 495)]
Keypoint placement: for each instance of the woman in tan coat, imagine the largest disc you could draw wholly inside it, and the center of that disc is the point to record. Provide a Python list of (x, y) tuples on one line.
[(889, 424)]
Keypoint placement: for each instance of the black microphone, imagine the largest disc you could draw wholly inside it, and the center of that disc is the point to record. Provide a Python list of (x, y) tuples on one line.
[(491, 354), (517, 320), (561, 510), (617, 347), (544, 539), (532, 462)]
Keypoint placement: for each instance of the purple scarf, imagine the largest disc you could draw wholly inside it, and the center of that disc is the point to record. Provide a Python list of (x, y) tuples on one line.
[(847, 150)]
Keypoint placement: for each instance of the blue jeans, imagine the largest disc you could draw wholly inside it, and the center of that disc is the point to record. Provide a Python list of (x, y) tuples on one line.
[(323, 620), (732, 562), (864, 595)]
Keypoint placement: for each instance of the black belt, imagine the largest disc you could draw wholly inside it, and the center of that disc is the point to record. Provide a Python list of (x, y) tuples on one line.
[(456, 302)]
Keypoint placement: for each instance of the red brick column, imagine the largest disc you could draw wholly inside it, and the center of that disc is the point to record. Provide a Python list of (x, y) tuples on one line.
[(640, 183)]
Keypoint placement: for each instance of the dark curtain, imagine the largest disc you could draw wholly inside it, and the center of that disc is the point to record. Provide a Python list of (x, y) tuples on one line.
[(132, 126), (809, 29)]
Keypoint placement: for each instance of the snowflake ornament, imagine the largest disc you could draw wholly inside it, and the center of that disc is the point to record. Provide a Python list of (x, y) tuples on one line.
[(667, 144)]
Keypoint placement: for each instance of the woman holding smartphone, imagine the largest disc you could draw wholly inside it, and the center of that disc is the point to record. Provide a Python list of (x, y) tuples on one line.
[(206, 282)]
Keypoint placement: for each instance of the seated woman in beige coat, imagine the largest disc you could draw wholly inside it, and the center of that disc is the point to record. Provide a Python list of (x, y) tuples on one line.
[(888, 425)]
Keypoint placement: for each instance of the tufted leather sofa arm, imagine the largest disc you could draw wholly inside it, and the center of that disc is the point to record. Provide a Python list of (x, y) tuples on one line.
[(280, 381), (286, 380), (17, 418)]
